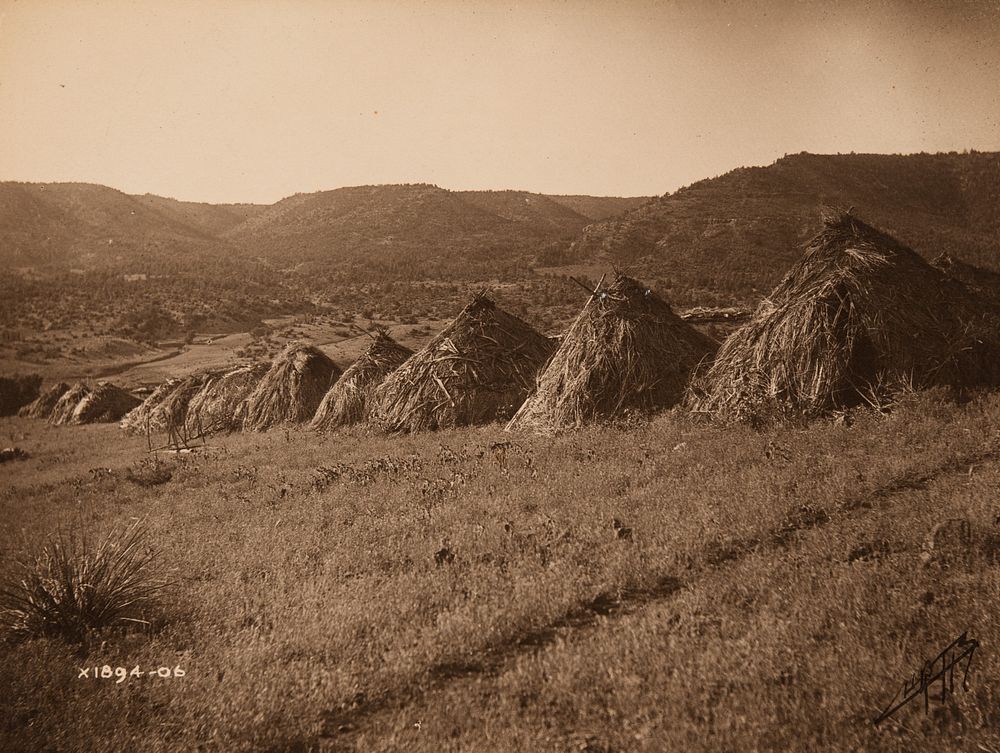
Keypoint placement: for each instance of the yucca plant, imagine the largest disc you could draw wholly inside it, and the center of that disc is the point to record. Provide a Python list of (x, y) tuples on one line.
[(70, 587)]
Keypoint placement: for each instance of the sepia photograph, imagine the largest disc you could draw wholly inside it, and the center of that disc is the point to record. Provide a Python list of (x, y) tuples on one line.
[(499, 376)]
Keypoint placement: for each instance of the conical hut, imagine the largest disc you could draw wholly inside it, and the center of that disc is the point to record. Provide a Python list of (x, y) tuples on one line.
[(292, 389), (858, 318), (221, 403), (477, 370), (106, 403), (346, 402), (62, 411), (42, 406), (626, 351), (985, 282), (148, 416)]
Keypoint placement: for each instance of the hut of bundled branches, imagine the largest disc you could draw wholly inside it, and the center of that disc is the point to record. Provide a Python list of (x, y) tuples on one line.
[(477, 370), (62, 411), (220, 405), (857, 319), (626, 351), (346, 402), (984, 282), (106, 403), (42, 406), (291, 390), (148, 415)]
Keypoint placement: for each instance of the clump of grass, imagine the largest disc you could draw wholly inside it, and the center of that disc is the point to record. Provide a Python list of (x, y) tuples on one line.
[(149, 473), (70, 587)]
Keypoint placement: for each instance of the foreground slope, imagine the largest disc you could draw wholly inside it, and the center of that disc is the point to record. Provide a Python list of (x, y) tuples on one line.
[(774, 591)]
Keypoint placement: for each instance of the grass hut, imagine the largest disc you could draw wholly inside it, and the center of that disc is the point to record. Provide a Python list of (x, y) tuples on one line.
[(291, 390), (42, 406), (626, 351), (148, 415), (477, 370), (220, 404), (858, 318), (985, 282), (62, 411), (106, 403), (346, 402)]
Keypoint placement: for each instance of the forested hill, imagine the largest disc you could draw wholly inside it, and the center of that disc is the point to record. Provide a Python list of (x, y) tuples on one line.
[(420, 229), (401, 230), (735, 235)]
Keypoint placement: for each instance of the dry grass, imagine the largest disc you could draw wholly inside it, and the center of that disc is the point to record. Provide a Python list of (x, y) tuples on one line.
[(147, 416), (166, 407), (62, 411), (985, 282), (105, 403), (733, 618), (43, 405), (291, 390), (626, 351), (220, 405), (346, 403), (477, 370), (857, 320)]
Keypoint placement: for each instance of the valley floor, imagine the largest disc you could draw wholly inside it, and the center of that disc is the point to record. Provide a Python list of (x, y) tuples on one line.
[(467, 590)]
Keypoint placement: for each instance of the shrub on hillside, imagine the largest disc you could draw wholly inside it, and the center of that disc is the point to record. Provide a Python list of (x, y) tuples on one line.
[(17, 391), (70, 587)]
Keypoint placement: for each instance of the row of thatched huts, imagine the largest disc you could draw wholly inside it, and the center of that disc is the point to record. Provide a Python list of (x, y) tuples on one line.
[(81, 404), (857, 319)]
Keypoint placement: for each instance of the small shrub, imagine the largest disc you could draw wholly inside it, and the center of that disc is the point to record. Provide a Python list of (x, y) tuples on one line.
[(17, 391), (70, 588), (149, 473)]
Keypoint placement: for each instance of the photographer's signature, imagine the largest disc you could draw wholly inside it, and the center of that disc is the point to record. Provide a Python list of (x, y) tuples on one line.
[(940, 668)]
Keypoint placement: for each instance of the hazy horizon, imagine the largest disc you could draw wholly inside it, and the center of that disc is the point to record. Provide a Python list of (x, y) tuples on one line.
[(229, 102)]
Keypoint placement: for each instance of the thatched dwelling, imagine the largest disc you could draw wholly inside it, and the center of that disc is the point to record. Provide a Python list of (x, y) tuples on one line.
[(220, 405), (148, 416), (626, 351), (985, 282), (477, 370), (105, 403), (291, 390), (858, 318), (62, 411), (346, 402), (41, 406)]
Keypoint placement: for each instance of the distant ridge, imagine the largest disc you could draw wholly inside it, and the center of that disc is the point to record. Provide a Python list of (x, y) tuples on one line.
[(390, 227), (738, 233)]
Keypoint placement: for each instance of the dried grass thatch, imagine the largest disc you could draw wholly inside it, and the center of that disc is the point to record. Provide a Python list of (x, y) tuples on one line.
[(148, 416), (292, 389), (477, 370), (220, 405), (106, 403), (62, 411), (42, 406), (346, 402), (857, 319), (626, 351), (985, 282)]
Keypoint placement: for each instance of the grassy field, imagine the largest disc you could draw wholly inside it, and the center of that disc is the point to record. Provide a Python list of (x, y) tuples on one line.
[(467, 590)]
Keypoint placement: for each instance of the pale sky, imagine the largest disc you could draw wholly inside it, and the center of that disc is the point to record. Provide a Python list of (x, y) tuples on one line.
[(252, 101)]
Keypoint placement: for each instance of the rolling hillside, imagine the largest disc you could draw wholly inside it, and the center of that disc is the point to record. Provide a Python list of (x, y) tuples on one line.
[(418, 229), (738, 233)]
